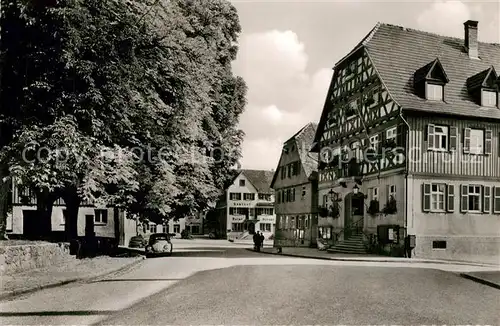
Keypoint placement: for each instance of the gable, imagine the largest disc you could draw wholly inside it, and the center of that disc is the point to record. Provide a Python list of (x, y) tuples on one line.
[(356, 97)]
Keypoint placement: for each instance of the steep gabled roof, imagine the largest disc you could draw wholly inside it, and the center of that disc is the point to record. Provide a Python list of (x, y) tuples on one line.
[(303, 140), (397, 52), (260, 179)]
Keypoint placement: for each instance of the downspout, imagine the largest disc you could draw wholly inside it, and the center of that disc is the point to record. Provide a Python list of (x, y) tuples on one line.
[(407, 144)]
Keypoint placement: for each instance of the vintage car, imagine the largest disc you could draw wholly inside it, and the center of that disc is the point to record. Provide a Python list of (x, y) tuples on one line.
[(159, 244)]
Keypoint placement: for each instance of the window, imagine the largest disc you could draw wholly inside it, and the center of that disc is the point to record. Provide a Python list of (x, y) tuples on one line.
[(325, 232), (437, 197), (152, 228), (496, 200), (195, 229), (471, 198), (392, 192), (434, 92), (177, 228), (101, 216), (306, 223), (437, 137), (374, 141), (265, 211), (325, 200), (474, 141), (235, 196), (283, 172), (374, 193), (439, 244), (488, 98), (266, 197), (391, 133), (249, 196), (242, 183), (303, 191), (265, 227)]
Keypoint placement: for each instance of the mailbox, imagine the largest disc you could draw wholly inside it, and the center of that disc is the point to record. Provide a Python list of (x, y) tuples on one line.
[(412, 241)]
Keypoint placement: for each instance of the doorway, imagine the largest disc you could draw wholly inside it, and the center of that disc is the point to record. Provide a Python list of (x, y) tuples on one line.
[(251, 228)]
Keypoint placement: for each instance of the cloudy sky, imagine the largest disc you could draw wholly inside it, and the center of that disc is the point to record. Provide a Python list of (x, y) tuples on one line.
[(288, 49)]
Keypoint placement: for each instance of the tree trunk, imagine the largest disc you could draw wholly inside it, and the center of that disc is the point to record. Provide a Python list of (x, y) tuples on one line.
[(72, 201), (44, 204), (4, 202)]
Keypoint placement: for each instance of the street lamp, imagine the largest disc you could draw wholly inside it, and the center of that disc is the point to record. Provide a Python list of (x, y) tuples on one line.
[(355, 189)]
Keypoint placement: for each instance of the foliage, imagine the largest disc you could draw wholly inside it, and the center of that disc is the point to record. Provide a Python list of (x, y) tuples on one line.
[(390, 207), (124, 78), (374, 207), (334, 210), (323, 211)]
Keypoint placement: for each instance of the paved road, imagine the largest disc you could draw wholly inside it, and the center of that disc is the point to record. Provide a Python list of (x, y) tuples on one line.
[(235, 286)]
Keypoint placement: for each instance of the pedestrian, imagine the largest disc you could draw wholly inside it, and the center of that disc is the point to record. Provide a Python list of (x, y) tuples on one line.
[(255, 236), (257, 241), (262, 238)]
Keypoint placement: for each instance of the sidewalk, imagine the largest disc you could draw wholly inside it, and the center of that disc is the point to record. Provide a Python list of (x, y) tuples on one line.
[(487, 278), (75, 270), (316, 254)]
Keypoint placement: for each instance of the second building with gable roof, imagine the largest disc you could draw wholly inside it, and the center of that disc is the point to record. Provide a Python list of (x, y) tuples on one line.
[(295, 183)]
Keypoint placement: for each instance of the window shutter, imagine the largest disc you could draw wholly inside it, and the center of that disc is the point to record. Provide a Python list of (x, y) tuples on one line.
[(467, 140), (430, 136), (426, 197), (488, 136), (299, 167), (464, 193), (453, 138), (381, 144), (496, 200), (450, 195), (486, 199)]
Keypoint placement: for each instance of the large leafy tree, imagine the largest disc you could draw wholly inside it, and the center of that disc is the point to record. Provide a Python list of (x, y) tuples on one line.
[(152, 83)]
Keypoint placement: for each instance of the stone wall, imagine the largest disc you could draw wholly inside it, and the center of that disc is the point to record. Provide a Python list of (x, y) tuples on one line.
[(21, 258)]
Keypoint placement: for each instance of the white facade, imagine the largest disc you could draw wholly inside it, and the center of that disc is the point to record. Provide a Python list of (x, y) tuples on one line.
[(103, 226), (246, 211)]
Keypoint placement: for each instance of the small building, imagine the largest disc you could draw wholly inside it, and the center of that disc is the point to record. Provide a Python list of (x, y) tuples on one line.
[(247, 206), (295, 184), (409, 145), (102, 221)]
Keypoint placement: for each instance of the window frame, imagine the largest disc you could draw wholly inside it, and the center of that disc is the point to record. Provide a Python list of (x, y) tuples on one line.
[(98, 216), (242, 183), (434, 87), (238, 196), (493, 94), (435, 203)]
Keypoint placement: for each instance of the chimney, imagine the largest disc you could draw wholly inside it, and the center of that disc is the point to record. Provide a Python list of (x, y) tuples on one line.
[(471, 39)]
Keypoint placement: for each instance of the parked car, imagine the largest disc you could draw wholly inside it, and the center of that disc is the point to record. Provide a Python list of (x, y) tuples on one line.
[(159, 244)]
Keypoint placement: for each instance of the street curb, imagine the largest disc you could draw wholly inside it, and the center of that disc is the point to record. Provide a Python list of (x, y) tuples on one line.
[(377, 260), (480, 280), (14, 294)]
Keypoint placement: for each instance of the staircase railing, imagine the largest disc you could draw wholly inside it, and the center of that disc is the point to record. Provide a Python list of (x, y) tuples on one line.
[(351, 226)]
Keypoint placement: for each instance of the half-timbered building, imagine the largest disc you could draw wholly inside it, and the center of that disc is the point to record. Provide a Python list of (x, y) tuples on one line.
[(409, 144), (295, 185)]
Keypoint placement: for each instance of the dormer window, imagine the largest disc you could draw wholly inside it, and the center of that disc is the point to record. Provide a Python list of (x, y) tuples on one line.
[(434, 92), (483, 88), (488, 98), (429, 81)]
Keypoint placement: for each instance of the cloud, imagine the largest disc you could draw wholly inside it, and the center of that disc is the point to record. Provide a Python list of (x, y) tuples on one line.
[(282, 95), (445, 17)]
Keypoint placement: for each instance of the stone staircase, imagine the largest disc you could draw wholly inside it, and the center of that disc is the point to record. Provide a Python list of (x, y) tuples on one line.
[(353, 245)]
